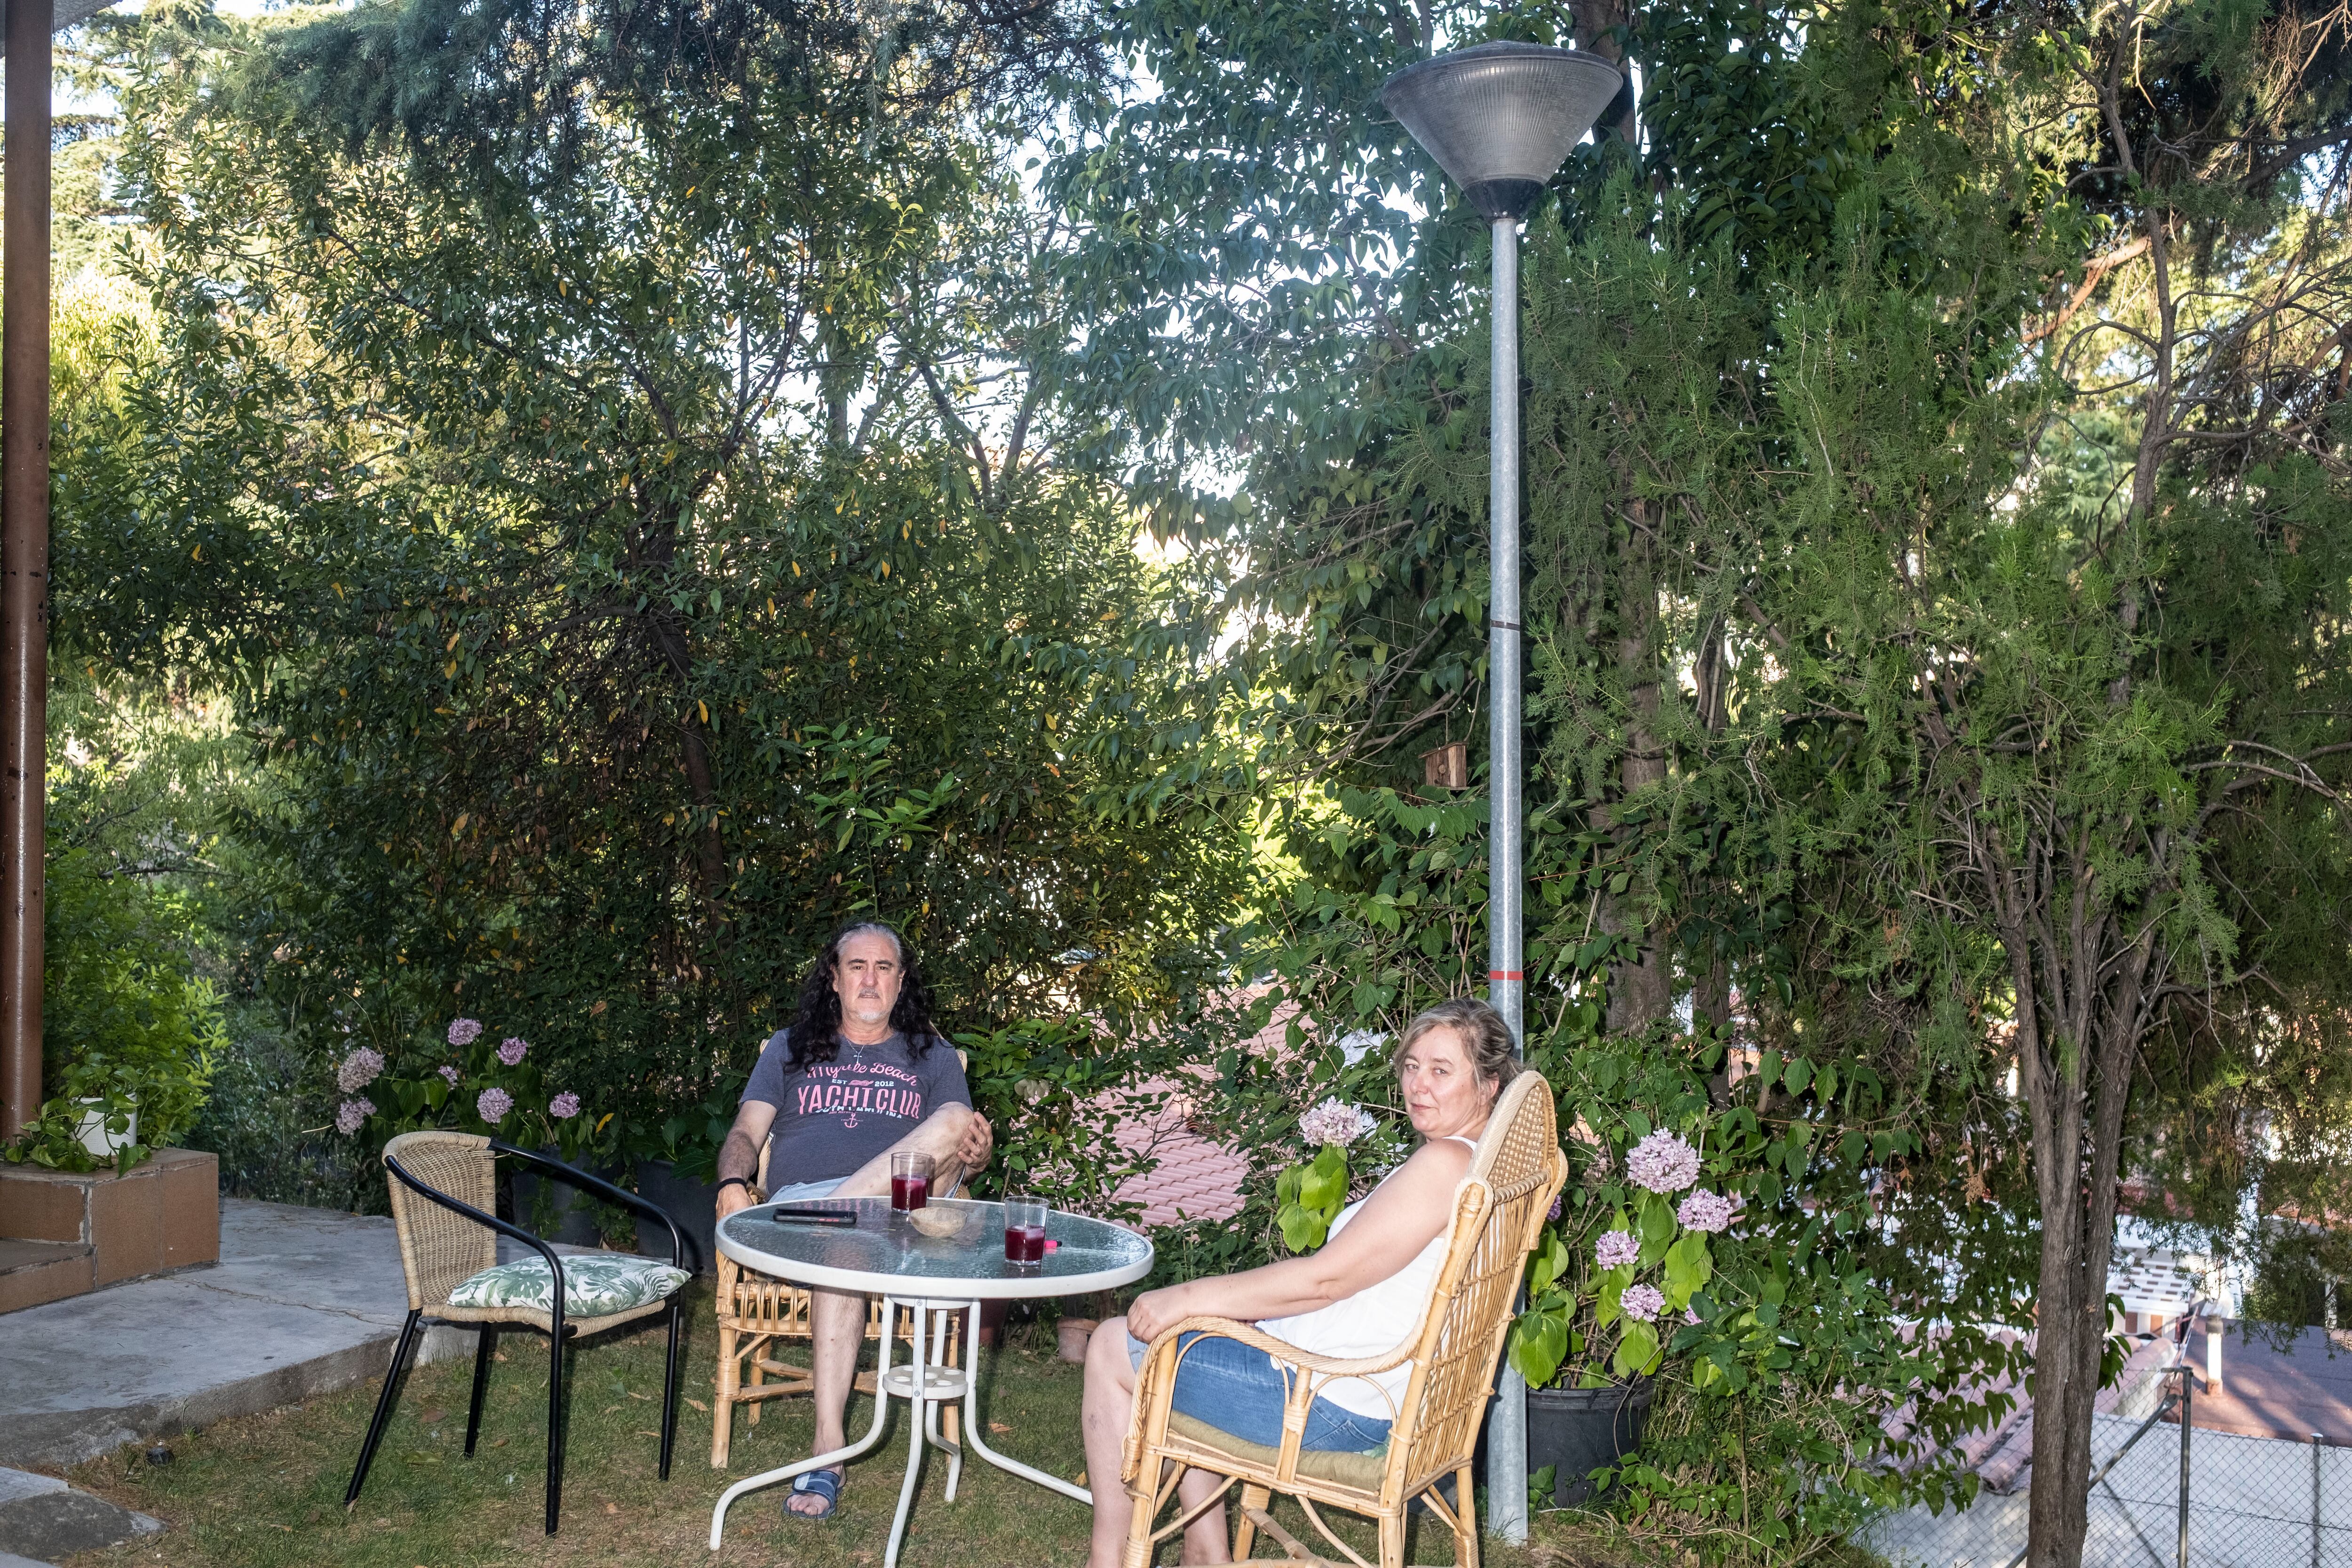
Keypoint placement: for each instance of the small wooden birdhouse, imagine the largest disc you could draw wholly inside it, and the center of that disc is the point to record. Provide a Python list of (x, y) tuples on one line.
[(1446, 767)]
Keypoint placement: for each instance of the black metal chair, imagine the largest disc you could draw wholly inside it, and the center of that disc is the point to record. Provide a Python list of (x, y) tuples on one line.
[(452, 1237)]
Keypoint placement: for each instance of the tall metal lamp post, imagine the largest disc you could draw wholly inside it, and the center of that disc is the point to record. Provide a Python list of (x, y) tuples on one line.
[(1499, 119)]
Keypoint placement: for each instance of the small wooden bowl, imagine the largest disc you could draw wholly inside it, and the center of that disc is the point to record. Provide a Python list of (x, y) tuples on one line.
[(940, 1223)]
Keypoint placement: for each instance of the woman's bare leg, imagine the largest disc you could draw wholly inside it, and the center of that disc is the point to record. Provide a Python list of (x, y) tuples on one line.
[(1109, 1407)]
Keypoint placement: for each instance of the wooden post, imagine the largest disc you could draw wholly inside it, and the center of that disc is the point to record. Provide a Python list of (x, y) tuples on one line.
[(24, 554)]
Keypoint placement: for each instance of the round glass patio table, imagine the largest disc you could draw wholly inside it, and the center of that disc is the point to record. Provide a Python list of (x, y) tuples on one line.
[(885, 1256)]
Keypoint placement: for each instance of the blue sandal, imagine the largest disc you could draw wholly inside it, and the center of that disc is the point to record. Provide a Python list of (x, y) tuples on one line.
[(825, 1484)]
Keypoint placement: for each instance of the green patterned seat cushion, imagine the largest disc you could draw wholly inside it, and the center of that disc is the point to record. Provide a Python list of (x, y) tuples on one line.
[(593, 1286)]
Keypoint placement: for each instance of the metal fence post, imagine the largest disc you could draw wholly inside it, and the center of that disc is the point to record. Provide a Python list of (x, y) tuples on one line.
[(2315, 1441), (2186, 1376)]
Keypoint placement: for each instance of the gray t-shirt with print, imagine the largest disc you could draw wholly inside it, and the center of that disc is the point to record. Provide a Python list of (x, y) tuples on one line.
[(833, 1117)]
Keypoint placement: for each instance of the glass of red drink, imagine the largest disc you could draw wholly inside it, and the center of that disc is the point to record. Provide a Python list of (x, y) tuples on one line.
[(910, 1181), (1024, 1230)]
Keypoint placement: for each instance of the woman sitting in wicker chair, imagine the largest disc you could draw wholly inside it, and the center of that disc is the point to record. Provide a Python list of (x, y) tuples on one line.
[(1361, 1294)]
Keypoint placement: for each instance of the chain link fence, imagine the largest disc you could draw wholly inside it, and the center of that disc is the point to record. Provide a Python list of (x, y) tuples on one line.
[(2166, 1494), (2236, 1501)]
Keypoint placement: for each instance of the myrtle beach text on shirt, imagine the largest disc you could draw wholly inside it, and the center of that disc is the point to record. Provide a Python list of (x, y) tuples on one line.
[(822, 1092)]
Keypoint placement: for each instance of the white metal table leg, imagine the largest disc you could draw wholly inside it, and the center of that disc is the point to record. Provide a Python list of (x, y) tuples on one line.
[(821, 1461), (975, 1429), (917, 1407), (924, 1394), (942, 1325)]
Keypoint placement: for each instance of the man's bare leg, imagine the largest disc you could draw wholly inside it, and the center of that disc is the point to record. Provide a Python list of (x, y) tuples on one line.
[(838, 1318), (836, 1330), (938, 1135)]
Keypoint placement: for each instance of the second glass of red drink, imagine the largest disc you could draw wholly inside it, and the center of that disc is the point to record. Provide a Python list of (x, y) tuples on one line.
[(1024, 1230)]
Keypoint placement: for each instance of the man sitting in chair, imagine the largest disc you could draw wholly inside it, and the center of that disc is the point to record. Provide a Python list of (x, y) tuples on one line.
[(860, 1075)]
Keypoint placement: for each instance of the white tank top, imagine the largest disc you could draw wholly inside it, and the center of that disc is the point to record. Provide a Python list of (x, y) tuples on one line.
[(1373, 1322)]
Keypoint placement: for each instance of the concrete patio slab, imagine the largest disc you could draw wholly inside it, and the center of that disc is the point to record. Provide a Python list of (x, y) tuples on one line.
[(303, 1301), (61, 1523)]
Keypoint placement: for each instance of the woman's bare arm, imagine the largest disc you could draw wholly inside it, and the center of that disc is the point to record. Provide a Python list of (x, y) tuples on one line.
[(1406, 1214)]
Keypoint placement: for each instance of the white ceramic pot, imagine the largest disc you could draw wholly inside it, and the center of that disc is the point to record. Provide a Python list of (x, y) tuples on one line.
[(94, 1136)]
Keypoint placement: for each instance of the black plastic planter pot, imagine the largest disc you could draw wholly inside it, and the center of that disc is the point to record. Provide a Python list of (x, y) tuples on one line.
[(691, 1206), (1578, 1430), (571, 1217)]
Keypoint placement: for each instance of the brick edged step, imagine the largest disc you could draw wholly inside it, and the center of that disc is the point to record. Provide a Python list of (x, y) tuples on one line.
[(31, 1272)]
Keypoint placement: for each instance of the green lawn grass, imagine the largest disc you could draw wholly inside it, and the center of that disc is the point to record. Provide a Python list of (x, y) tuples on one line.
[(267, 1490)]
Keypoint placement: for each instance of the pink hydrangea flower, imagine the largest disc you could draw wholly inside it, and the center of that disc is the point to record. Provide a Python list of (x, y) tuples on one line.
[(450, 1073), (492, 1105), (564, 1106), (1615, 1249), (464, 1031), (1643, 1303), (1661, 1163), (511, 1049), (360, 1069), (1690, 1316), (1708, 1211), (351, 1114), (1334, 1121), (1553, 1213)]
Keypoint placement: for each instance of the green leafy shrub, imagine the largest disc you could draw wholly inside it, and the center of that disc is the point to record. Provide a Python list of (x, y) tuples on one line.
[(124, 1021), (1795, 1398), (269, 1114)]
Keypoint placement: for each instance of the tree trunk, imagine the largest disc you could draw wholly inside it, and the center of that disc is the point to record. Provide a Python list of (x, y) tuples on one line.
[(669, 647), (2081, 1005), (1600, 29), (1641, 989), (1711, 987)]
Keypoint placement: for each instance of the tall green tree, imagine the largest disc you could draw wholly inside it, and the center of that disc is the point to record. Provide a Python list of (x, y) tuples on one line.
[(1935, 495), (598, 470), (2090, 688)]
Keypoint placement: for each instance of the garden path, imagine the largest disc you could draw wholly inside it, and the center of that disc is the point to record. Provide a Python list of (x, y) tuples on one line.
[(302, 1301)]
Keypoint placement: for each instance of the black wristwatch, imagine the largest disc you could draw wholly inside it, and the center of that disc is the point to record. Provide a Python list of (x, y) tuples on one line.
[(726, 1182)]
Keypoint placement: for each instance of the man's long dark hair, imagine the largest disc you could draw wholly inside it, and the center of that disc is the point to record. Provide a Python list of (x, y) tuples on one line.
[(816, 1028)]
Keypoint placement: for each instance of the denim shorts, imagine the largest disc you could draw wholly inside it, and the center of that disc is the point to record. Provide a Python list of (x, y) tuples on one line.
[(1240, 1389), (802, 1192)]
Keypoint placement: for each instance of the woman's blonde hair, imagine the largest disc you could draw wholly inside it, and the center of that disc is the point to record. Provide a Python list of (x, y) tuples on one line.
[(1485, 1037)]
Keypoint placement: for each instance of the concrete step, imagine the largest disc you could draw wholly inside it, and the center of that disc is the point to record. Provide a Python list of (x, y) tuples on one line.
[(41, 1519), (31, 1272), (302, 1301)]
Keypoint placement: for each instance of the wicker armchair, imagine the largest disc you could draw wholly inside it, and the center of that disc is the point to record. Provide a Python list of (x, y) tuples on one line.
[(450, 1236), (757, 1313), (1497, 1211)]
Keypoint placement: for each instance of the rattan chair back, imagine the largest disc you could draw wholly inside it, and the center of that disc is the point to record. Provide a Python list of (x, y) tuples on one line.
[(440, 1249)]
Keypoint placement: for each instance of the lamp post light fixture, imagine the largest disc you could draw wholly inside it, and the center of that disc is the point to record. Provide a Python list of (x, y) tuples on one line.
[(1499, 119)]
